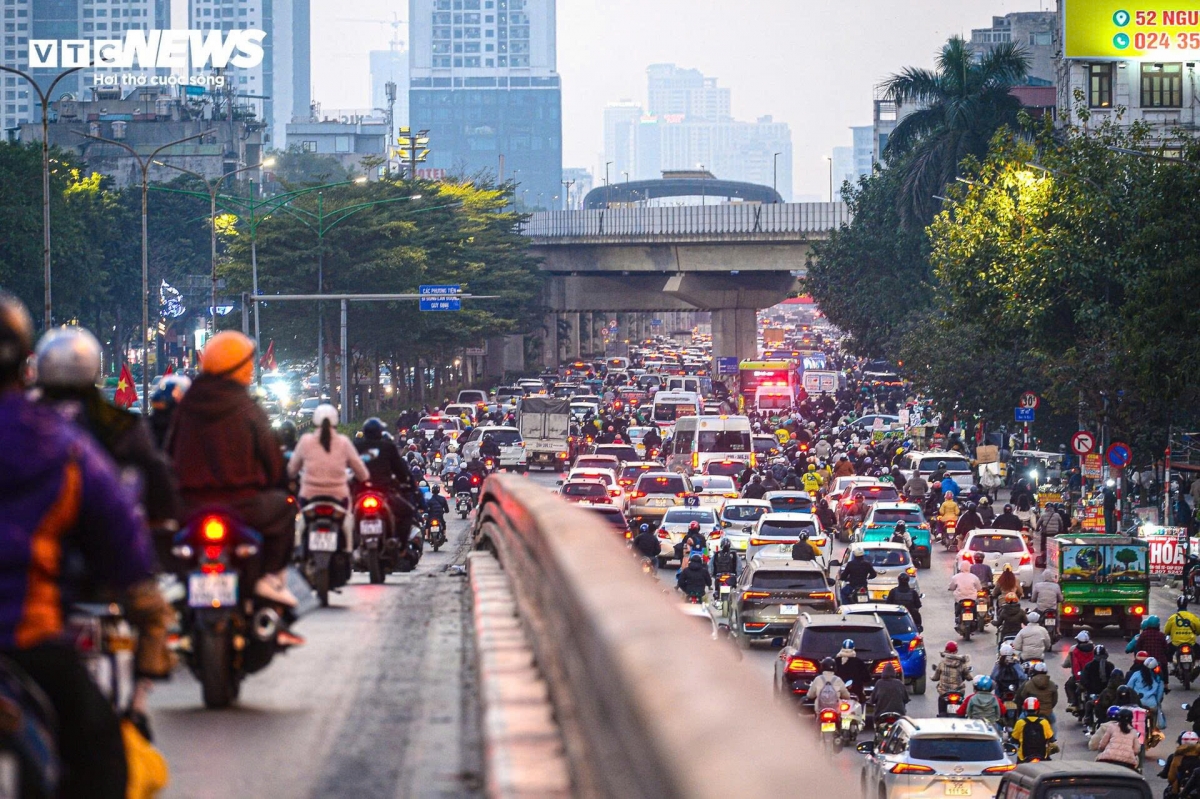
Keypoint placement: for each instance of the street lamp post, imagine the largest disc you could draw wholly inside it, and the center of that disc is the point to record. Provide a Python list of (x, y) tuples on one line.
[(144, 164), (775, 177), (44, 99), (607, 186), (567, 184), (830, 160)]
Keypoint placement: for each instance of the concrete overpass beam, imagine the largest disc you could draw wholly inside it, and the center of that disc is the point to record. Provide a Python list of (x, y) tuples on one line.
[(734, 334)]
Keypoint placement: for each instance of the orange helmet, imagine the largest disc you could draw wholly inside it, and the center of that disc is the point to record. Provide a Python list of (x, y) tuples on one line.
[(1010, 597), (229, 354)]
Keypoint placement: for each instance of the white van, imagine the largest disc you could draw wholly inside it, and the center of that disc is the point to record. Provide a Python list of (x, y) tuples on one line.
[(700, 439), (683, 383), (672, 405), (819, 381)]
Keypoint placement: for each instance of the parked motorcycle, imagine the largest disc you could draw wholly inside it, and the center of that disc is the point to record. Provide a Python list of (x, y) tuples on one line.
[(226, 630), (324, 558)]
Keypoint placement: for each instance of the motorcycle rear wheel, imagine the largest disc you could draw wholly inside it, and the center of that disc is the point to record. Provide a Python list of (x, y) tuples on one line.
[(218, 685), (374, 567), (322, 586)]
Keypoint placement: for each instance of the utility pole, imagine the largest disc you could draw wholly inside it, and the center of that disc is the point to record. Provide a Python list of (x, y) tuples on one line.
[(413, 148), (389, 89), (567, 184)]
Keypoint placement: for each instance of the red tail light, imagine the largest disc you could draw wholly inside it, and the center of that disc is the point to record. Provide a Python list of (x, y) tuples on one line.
[(911, 768), (915, 644), (1070, 610), (1026, 559), (883, 664), (967, 604), (954, 698), (801, 666), (369, 503), (475, 480), (755, 594), (1185, 649), (828, 716), (1138, 610), (213, 528), (999, 769), (614, 492)]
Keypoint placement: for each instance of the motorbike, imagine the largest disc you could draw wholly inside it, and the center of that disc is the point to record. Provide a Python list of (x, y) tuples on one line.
[(435, 465), (724, 589), (1050, 622), (226, 630), (381, 547), (324, 558), (435, 531), (982, 613), (949, 534), (950, 702), (883, 727), (847, 722), (964, 618), (1183, 665), (465, 501), (1008, 700), (105, 642), (1087, 713)]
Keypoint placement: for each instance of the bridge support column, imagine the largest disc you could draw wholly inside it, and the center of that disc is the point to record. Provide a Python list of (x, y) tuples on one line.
[(734, 334), (550, 342), (573, 351)]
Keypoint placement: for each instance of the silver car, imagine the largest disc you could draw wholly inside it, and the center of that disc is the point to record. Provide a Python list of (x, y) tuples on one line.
[(929, 758), (675, 525)]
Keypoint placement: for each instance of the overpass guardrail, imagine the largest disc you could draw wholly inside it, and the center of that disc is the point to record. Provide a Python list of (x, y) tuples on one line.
[(648, 703), (787, 221)]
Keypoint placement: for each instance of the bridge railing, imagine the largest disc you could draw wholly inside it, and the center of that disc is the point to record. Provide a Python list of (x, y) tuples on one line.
[(728, 219), (645, 698)]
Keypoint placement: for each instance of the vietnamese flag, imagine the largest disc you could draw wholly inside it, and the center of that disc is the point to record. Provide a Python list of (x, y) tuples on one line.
[(126, 394)]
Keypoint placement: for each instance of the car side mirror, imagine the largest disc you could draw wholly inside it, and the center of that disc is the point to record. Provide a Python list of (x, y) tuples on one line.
[(558, 482), (1010, 748), (866, 748)]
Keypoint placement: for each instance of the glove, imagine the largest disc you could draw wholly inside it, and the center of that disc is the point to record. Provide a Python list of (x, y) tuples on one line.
[(151, 615)]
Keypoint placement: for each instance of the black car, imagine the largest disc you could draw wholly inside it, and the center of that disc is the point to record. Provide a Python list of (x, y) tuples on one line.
[(815, 638)]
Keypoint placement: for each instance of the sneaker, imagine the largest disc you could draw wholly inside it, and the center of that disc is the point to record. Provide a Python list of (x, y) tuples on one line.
[(274, 588), (288, 638)]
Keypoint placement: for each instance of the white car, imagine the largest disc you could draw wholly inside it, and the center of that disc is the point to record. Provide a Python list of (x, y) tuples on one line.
[(934, 757), (1001, 548), (508, 439), (675, 525), (738, 519), (606, 476), (779, 531), (429, 425), (714, 489), (839, 487)]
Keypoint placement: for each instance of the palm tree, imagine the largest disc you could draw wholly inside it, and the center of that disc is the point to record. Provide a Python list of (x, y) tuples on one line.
[(961, 104)]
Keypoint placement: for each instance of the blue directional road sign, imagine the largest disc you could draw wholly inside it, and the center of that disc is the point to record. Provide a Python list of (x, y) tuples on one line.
[(655, 323), (1023, 414), (441, 304), (440, 291), (727, 366)]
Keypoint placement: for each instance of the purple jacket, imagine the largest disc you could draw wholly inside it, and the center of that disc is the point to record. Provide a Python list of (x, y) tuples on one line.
[(64, 518)]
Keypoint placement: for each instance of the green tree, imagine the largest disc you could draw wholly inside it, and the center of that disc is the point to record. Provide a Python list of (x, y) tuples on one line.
[(960, 105)]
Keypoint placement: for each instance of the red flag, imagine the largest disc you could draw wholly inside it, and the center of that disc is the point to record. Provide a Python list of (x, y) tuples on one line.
[(170, 370), (267, 361), (126, 394)]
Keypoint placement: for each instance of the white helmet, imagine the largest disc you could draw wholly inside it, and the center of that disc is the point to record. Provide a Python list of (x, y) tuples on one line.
[(1034, 618), (1083, 637), (325, 411), (452, 447), (1006, 650), (857, 551), (68, 357)]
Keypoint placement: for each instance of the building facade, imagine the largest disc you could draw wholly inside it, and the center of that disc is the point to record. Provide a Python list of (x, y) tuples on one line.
[(348, 141), (686, 92), (483, 81), (390, 66), (864, 149), (1034, 31), (621, 122), (842, 169)]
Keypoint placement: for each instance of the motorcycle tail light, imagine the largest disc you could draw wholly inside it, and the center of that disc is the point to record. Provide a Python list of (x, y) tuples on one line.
[(369, 503), (828, 716), (1185, 649), (967, 604), (213, 552), (953, 698), (844, 707), (214, 529)]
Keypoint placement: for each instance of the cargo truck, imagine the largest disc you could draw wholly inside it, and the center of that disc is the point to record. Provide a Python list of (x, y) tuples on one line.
[(545, 425)]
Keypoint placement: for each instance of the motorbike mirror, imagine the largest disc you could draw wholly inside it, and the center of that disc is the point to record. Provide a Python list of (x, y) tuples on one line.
[(558, 482), (1010, 748), (1186, 706), (1162, 762), (866, 747), (835, 564)]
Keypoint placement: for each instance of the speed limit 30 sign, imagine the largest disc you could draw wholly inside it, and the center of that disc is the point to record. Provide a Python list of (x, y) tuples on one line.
[(1083, 443), (1030, 400)]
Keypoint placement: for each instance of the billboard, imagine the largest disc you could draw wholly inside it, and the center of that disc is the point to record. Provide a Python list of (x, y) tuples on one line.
[(1131, 29)]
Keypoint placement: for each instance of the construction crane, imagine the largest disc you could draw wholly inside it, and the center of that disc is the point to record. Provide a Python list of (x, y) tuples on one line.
[(395, 23)]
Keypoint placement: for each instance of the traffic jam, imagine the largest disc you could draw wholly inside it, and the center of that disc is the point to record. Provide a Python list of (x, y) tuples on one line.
[(939, 605)]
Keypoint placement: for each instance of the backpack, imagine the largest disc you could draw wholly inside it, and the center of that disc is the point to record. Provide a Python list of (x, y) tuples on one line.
[(828, 695), (725, 562), (1033, 740)]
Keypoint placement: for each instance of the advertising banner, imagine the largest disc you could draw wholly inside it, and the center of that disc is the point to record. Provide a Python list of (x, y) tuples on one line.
[(1168, 553), (1131, 29)]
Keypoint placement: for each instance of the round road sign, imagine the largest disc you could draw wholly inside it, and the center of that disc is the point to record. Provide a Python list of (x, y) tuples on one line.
[(1083, 442), (1030, 400), (1119, 454)]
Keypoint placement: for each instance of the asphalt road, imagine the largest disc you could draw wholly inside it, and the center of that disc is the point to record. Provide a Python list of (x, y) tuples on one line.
[(379, 703), (938, 617)]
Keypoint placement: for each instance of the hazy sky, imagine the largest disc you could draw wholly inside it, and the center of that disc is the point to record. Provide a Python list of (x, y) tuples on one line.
[(810, 63)]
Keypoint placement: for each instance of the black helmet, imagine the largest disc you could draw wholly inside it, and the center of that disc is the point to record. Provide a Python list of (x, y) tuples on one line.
[(16, 337), (288, 433), (373, 428), (901, 526), (1100, 651), (1126, 696), (435, 490), (1008, 508), (726, 544), (978, 557), (1182, 602), (941, 464), (695, 559), (828, 664), (972, 506)]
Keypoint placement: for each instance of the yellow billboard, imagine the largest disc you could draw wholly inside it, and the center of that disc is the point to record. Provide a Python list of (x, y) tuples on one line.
[(1167, 30)]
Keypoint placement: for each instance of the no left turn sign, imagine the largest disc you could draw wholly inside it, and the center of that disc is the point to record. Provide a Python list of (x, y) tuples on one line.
[(1083, 443)]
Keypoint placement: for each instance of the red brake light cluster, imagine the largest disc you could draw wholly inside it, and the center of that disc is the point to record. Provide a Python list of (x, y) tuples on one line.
[(895, 663), (915, 644), (828, 716), (369, 503), (801, 666)]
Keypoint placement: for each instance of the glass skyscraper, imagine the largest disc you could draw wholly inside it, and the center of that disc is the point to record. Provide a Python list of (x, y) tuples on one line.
[(483, 82)]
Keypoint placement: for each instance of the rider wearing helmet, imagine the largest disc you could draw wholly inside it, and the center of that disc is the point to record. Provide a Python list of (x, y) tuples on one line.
[(61, 497), (436, 505), (982, 571), (1078, 657), (805, 549), (225, 453), (1182, 762), (1010, 616), (288, 435), (811, 480), (1040, 686), (693, 578), (1007, 520), (900, 534), (163, 401), (983, 704), (904, 595), (692, 541), (853, 671), (890, 695), (951, 673), (68, 368), (725, 561), (827, 689), (1033, 733), (1046, 593), (856, 574), (388, 470), (1152, 641), (1181, 629), (646, 543)]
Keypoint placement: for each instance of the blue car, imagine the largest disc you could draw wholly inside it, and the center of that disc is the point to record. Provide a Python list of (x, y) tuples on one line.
[(906, 638)]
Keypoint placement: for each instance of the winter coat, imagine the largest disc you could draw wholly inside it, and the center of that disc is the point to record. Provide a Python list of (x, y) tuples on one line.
[(890, 696), (324, 473), (1154, 643), (982, 706), (1148, 689), (1032, 642), (694, 579), (1079, 656), (1095, 675), (1042, 687), (1115, 746), (953, 672), (1010, 617), (1046, 594)]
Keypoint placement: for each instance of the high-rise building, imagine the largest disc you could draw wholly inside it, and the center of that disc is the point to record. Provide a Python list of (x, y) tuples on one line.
[(843, 169), (281, 86), (63, 19), (483, 81), (1033, 31), (688, 92), (620, 136), (390, 66)]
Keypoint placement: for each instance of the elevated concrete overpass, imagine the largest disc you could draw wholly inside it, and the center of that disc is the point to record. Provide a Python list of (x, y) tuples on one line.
[(731, 259)]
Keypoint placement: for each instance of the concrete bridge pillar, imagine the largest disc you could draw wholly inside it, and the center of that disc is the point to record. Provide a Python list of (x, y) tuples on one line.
[(573, 351), (734, 334), (550, 342)]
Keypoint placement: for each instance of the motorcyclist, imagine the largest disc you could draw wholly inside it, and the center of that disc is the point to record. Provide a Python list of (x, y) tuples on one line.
[(981, 570), (62, 501), (951, 673), (938, 474), (288, 435), (452, 461), (827, 689), (948, 510), (1152, 641), (811, 480), (1007, 520), (224, 453), (986, 512), (1046, 593), (646, 543), (1182, 762), (856, 574), (388, 470), (1010, 617), (693, 540), (163, 401), (969, 521), (915, 488), (1033, 733), (436, 506), (725, 561), (964, 584), (890, 695), (900, 534), (68, 368), (1094, 677), (694, 579), (755, 488), (1007, 672), (489, 448), (983, 704), (322, 458), (1040, 685), (904, 595), (1181, 627), (1033, 641), (853, 671), (805, 549), (1007, 583)]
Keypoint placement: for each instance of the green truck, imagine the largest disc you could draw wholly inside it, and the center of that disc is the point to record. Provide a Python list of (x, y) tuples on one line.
[(1105, 581)]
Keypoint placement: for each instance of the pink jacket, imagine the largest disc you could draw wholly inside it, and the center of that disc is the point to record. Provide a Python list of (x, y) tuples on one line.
[(1115, 746), (324, 473)]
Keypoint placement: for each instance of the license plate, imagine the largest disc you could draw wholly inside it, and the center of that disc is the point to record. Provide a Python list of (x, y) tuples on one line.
[(212, 590), (474, 490), (786, 548), (958, 789), (968, 617), (983, 608), (846, 724), (660, 503), (789, 610), (725, 590), (1185, 658), (879, 594), (1103, 611), (322, 542), (828, 726), (372, 527)]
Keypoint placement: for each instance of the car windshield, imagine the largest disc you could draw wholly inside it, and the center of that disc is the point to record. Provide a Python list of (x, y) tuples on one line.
[(870, 643), (791, 502), (886, 557), (929, 465), (774, 402), (720, 467), (504, 438), (603, 477), (788, 527), (631, 473), (764, 444), (472, 396), (713, 483), (595, 463), (743, 513), (790, 580), (687, 516), (309, 404), (723, 441), (875, 493), (620, 453), (661, 484), (584, 490), (1003, 544), (893, 515), (956, 749), (433, 424), (897, 623)]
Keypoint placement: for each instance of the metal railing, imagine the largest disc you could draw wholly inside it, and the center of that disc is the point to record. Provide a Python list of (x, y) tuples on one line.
[(782, 220), (643, 695)]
